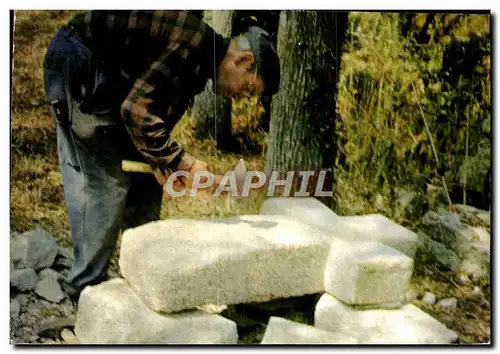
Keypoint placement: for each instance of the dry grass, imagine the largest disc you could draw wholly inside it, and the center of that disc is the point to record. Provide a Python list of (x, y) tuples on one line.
[(36, 186), (385, 82)]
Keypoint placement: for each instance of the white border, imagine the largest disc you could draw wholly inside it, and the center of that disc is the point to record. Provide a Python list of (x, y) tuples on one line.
[(186, 4), (256, 4)]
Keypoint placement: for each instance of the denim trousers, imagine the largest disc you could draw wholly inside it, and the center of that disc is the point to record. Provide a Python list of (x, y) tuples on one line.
[(101, 199)]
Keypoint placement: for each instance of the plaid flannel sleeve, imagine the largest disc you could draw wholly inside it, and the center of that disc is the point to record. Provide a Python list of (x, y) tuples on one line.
[(149, 115)]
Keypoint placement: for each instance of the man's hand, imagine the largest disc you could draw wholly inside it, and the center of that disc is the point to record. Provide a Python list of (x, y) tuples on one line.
[(183, 182), (187, 182), (198, 166)]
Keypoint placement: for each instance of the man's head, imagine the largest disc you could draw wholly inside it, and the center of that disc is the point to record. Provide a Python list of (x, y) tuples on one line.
[(251, 66)]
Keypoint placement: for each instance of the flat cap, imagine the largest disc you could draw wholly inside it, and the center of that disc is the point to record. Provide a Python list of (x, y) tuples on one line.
[(266, 59)]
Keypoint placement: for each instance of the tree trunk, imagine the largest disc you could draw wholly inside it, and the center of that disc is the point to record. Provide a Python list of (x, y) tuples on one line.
[(213, 112), (303, 113)]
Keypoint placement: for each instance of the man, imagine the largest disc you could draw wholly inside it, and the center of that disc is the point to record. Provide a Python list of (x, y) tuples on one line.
[(118, 82)]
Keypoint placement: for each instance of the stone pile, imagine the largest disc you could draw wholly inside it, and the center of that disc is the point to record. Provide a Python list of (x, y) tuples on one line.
[(458, 239), (175, 269), (34, 258), (37, 264)]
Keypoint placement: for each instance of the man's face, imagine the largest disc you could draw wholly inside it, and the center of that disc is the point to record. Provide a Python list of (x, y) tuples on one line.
[(237, 77)]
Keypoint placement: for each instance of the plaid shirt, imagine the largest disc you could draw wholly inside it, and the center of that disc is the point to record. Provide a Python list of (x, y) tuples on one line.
[(167, 57)]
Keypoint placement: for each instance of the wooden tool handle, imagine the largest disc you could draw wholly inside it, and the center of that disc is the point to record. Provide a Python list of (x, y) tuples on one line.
[(134, 166)]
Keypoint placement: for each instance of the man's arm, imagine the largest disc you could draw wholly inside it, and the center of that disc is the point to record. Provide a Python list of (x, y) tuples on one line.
[(149, 116), (147, 111)]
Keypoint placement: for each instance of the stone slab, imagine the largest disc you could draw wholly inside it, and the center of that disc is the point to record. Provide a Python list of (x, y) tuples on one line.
[(471, 244), (372, 227), (23, 279), (306, 209), (111, 313), (49, 288), (36, 249), (378, 228), (181, 264), (282, 331), (367, 273), (406, 325)]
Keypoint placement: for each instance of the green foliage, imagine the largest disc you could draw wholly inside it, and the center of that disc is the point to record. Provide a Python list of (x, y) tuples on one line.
[(388, 85)]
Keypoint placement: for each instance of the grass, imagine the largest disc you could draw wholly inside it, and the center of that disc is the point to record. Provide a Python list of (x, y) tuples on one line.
[(386, 82), (383, 142)]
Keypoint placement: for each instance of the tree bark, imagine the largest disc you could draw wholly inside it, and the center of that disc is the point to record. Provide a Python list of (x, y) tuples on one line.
[(213, 112), (303, 113)]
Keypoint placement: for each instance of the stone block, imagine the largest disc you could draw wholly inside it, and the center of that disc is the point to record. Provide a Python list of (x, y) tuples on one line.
[(367, 273), (283, 331), (306, 209), (378, 228), (181, 264), (111, 313), (406, 325)]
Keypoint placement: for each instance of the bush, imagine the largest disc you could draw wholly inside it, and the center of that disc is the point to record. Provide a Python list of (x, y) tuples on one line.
[(390, 88)]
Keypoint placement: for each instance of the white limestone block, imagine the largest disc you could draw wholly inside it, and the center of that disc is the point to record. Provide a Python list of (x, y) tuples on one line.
[(283, 331), (181, 264), (306, 209), (378, 228), (111, 313), (367, 273), (406, 325), (373, 227)]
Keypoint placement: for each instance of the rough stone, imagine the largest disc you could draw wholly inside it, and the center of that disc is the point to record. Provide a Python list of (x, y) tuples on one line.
[(470, 212), (23, 279), (435, 195), (180, 264), (378, 228), (411, 295), (406, 325), (367, 273), (63, 262), (306, 209), (15, 308), (374, 227), (441, 254), (462, 279), (405, 198), (442, 215), (111, 313), (482, 235), (474, 268), (429, 299), (35, 249), (283, 331), (49, 288), (49, 273), (471, 244), (52, 327), (378, 202), (485, 217), (22, 299), (477, 293), (449, 303), (65, 252)]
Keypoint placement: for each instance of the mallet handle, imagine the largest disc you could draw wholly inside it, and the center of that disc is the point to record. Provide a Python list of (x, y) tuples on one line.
[(134, 166)]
